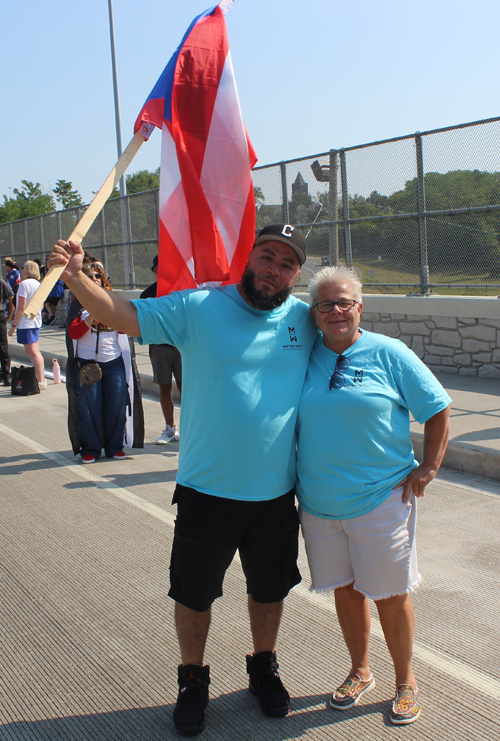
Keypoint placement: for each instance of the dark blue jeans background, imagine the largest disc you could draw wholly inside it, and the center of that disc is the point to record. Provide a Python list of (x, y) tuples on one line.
[(4, 347), (107, 399)]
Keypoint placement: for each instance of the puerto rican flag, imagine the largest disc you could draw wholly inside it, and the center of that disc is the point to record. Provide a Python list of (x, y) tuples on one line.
[(207, 205)]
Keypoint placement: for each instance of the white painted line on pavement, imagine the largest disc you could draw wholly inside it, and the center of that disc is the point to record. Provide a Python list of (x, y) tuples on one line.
[(447, 664), (83, 472)]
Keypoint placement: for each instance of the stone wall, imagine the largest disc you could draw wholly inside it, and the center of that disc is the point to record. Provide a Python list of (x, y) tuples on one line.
[(460, 345)]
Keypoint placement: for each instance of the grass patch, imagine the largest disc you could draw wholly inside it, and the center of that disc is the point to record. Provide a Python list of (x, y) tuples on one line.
[(381, 274)]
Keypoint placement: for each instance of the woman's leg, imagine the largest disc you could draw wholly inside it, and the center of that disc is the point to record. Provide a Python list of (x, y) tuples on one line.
[(383, 551), (353, 612), (398, 623), (114, 404), (88, 410), (37, 360)]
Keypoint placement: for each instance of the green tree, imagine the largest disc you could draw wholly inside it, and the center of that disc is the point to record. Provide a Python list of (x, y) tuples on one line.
[(33, 200), (30, 200), (464, 243), (258, 196), (10, 210), (65, 194), (143, 180)]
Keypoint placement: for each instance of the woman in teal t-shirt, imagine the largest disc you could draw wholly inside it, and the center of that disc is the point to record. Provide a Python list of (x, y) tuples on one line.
[(358, 480)]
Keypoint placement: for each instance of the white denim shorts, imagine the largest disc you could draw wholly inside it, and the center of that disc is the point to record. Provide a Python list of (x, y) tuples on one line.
[(377, 551)]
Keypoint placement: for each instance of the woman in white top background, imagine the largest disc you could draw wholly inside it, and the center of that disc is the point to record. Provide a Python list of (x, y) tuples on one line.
[(107, 412), (28, 330)]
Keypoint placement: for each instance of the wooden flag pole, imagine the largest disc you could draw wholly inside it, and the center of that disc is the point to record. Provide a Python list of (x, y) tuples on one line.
[(89, 217)]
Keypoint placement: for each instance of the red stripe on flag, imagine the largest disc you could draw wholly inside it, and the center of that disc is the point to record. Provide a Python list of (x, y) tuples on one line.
[(173, 272), (207, 209), (153, 113), (210, 259), (196, 82), (244, 246)]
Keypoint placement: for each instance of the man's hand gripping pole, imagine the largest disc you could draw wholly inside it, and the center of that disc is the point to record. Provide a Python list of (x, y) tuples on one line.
[(89, 217)]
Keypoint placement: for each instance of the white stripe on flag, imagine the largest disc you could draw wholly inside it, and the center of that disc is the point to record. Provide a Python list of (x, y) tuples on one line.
[(227, 152), (173, 207)]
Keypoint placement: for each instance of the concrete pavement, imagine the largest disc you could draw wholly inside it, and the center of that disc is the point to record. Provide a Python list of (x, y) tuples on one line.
[(88, 650)]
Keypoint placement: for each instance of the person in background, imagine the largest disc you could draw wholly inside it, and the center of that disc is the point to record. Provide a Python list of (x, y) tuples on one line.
[(88, 260), (106, 413), (41, 268), (166, 361), (6, 312), (28, 330), (358, 480), (52, 300), (13, 274)]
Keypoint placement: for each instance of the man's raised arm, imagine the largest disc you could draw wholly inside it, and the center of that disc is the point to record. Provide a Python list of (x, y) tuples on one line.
[(105, 306)]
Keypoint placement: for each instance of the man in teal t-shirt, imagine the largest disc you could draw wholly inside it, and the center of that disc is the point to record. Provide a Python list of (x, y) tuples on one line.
[(244, 350)]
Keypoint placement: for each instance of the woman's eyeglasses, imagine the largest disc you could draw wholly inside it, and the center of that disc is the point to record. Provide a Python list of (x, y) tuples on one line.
[(325, 307), (338, 379)]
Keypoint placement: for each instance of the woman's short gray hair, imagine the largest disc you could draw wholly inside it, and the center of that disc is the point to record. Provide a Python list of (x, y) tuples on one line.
[(339, 274)]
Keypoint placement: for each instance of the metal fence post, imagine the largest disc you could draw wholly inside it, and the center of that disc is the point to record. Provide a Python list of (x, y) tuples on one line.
[(333, 205), (26, 247), (103, 240), (130, 246), (284, 194), (128, 257), (422, 220), (345, 210), (157, 206), (42, 237)]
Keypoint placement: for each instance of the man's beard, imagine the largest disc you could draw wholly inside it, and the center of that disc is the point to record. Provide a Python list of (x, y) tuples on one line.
[(260, 299)]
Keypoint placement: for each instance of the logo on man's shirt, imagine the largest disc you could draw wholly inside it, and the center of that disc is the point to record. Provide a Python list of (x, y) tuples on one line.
[(293, 345), (358, 376)]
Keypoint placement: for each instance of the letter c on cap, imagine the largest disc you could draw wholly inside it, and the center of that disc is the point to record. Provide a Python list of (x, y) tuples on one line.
[(287, 230)]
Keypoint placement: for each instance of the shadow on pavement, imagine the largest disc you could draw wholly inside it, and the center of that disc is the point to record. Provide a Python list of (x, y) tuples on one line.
[(229, 716)]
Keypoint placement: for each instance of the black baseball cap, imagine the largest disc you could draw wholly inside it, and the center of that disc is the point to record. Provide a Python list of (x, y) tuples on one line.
[(155, 262), (288, 235)]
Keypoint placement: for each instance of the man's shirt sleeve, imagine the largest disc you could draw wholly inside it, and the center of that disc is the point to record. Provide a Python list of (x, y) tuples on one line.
[(163, 320)]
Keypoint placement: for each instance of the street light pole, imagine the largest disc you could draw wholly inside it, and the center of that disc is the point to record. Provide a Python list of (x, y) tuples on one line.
[(123, 190), (127, 246), (328, 174)]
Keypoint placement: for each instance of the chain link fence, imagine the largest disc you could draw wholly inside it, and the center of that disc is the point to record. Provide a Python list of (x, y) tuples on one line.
[(124, 237), (414, 214)]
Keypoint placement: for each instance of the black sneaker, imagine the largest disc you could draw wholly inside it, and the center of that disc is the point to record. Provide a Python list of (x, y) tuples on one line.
[(189, 713), (7, 381), (266, 684)]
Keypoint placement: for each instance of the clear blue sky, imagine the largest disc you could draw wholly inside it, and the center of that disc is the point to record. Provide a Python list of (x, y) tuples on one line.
[(311, 76)]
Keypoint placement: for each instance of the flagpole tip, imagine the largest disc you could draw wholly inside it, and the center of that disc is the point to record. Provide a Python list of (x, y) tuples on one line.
[(225, 5)]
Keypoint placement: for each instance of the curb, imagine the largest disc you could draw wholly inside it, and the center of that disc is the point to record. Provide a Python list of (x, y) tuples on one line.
[(464, 457)]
